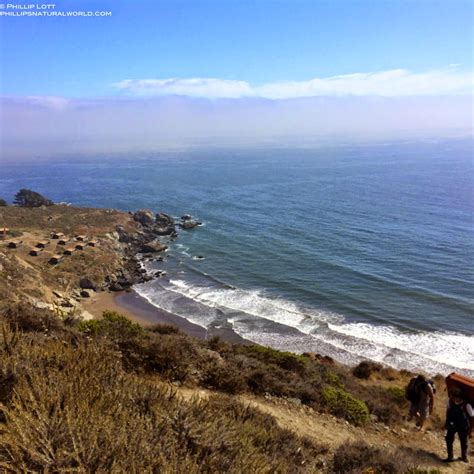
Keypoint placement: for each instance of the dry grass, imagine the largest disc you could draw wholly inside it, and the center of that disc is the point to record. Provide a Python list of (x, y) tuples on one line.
[(26, 276), (66, 219), (359, 458), (96, 397), (69, 405)]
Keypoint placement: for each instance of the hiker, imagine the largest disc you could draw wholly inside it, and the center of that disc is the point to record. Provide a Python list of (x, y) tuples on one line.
[(420, 393), (459, 419)]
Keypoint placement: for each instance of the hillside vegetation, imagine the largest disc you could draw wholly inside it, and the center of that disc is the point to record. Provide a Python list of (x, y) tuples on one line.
[(108, 395)]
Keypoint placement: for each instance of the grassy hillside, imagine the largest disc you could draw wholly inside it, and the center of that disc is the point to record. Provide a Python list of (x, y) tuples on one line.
[(107, 395)]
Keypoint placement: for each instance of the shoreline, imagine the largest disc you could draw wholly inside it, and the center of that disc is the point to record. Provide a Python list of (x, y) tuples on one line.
[(139, 310)]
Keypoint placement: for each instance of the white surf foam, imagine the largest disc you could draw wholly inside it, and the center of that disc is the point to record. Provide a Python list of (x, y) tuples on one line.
[(320, 331)]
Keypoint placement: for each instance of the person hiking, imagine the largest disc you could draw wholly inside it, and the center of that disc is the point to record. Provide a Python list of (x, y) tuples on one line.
[(420, 393), (459, 419)]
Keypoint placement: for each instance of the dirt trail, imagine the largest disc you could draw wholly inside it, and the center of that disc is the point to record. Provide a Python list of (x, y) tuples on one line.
[(428, 447)]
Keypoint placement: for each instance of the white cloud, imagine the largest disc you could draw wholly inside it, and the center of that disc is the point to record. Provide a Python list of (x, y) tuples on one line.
[(391, 83), (196, 87)]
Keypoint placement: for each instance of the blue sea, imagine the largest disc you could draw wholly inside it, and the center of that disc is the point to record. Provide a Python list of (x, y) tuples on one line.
[(353, 251)]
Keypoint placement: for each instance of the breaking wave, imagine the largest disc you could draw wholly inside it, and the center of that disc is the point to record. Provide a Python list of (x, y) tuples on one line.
[(285, 325)]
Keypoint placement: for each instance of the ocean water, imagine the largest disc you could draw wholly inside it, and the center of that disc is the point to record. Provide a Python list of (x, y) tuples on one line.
[(351, 251)]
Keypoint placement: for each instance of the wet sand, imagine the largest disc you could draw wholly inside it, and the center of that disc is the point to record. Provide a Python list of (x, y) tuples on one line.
[(138, 309)]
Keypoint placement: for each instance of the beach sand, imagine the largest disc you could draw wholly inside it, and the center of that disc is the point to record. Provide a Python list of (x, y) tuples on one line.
[(137, 309)]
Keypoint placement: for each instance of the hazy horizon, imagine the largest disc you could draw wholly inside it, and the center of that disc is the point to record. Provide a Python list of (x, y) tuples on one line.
[(51, 126)]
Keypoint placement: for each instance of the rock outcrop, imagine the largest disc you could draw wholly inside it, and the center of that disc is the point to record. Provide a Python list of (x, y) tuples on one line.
[(144, 216), (164, 224), (187, 222), (153, 247)]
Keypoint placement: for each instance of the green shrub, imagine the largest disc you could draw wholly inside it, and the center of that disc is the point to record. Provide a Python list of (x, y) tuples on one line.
[(285, 360), (91, 326), (343, 404), (119, 323), (332, 378), (3, 203), (397, 394), (112, 325)]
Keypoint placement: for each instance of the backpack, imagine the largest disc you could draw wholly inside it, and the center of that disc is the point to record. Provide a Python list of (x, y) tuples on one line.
[(457, 417), (413, 390), (416, 387)]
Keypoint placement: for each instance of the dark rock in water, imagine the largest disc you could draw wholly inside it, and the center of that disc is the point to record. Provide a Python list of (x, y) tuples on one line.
[(200, 257), (142, 270), (186, 217), (152, 247), (148, 255), (145, 217), (163, 230), (189, 224), (85, 294), (164, 224), (160, 259), (86, 284)]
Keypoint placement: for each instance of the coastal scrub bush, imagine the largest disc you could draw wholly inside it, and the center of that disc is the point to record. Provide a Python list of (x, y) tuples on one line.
[(359, 457), (387, 404), (75, 409), (365, 369), (227, 378), (331, 378), (30, 319), (343, 404), (285, 360), (172, 356), (112, 325), (91, 326), (164, 329), (397, 395), (3, 203)]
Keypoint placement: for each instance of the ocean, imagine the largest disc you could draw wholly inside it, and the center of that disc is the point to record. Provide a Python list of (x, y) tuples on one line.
[(352, 251)]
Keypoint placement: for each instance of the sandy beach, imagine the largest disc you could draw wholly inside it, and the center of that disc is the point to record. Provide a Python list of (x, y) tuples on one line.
[(136, 308)]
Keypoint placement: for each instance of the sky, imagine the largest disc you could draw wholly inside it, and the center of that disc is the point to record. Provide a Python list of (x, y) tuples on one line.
[(173, 71)]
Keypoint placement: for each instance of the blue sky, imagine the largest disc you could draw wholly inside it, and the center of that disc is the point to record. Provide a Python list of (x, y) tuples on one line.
[(258, 42), (173, 73)]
